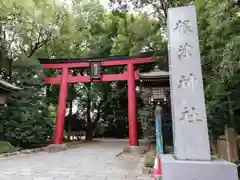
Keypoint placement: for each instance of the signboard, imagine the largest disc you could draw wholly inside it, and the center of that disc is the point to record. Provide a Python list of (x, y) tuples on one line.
[(95, 70)]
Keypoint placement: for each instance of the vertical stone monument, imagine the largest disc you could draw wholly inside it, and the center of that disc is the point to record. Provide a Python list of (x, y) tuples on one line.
[(192, 157), (188, 103)]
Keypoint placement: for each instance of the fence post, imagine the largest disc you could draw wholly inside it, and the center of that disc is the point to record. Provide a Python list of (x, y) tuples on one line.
[(227, 144)]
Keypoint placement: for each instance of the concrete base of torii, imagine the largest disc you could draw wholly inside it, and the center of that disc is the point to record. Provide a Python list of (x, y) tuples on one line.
[(173, 169), (135, 150), (143, 147)]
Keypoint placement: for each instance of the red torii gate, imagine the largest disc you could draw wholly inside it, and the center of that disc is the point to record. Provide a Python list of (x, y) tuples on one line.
[(95, 63)]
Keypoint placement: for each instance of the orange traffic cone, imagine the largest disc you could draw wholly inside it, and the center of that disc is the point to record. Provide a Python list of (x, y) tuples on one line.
[(157, 171)]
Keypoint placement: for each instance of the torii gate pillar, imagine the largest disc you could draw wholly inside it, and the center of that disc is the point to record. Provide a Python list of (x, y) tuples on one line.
[(132, 120), (62, 99)]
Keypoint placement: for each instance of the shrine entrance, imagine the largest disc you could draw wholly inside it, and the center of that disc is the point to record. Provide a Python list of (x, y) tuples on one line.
[(95, 65)]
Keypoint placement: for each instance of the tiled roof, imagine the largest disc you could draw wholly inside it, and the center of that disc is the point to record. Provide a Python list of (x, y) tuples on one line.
[(156, 73)]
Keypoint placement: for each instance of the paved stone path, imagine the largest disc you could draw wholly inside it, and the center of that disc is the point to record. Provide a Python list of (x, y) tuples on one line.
[(94, 161)]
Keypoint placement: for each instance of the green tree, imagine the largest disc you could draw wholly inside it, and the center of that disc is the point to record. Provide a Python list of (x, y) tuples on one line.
[(219, 39), (89, 31), (26, 120), (218, 23), (25, 27)]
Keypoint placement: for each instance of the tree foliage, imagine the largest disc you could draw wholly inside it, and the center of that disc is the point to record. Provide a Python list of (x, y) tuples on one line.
[(26, 118), (219, 23), (25, 27), (102, 34)]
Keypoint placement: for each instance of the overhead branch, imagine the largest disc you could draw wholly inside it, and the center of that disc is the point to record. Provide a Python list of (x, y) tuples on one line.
[(41, 40), (164, 8)]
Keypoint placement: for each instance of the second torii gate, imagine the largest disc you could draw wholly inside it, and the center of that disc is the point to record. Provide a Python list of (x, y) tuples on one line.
[(96, 77)]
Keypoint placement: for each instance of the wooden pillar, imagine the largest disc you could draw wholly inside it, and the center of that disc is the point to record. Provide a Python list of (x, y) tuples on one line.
[(62, 99), (133, 138)]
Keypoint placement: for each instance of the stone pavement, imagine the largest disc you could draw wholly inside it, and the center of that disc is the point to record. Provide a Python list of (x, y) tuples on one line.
[(94, 161)]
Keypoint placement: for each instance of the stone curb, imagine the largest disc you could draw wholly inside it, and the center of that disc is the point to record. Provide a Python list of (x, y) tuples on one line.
[(52, 148), (23, 152)]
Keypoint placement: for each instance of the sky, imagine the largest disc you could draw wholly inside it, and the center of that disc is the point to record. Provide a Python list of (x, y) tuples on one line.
[(104, 3)]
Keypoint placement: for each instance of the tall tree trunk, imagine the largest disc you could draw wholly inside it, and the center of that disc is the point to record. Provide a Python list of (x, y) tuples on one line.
[(70, 121), (89, 132), (10, 62), (89, 135), (2, 124), (48, 86)]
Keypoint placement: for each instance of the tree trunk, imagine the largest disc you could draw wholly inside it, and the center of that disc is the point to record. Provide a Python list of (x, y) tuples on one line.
[(48, 93), (89, 129), (70, 121), (212, 142), (89, 133), (10, 62), (2, 124)]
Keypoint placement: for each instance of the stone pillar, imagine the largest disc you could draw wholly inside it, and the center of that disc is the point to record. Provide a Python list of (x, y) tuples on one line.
[(192, 158), (191, 140)]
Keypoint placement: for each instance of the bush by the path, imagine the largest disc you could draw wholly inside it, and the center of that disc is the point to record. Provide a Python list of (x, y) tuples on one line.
[(150, 156), (6, 147)]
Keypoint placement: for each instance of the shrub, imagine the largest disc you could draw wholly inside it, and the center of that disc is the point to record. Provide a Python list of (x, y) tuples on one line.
[(150, 157), (6, 147)]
